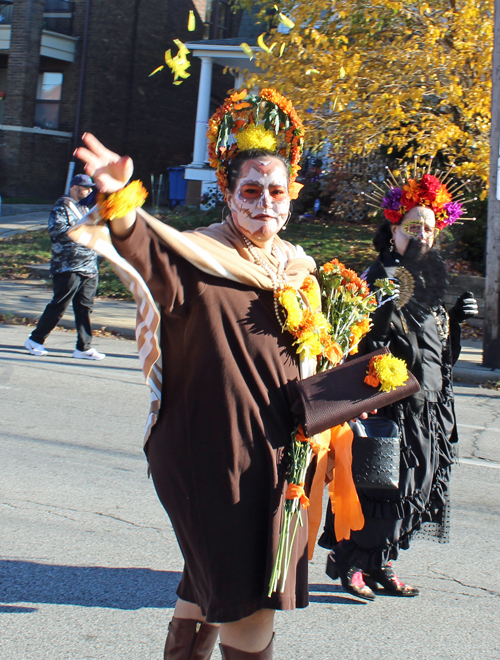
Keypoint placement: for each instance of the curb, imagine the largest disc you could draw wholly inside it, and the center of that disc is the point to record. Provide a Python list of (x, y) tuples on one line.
[(475, 374)]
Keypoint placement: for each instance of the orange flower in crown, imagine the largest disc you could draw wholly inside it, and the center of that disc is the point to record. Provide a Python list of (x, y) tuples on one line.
[(255, 121)]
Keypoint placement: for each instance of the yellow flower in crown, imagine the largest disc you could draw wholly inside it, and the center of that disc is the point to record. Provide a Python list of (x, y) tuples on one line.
[(255, 137), (255, 121)]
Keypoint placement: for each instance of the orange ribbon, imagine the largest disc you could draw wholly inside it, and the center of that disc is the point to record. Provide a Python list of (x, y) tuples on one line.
[(334, 465), (295, 491)]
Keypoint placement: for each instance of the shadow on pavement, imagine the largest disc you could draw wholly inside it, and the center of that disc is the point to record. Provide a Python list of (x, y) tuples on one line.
[(87, 586), (326, 593)]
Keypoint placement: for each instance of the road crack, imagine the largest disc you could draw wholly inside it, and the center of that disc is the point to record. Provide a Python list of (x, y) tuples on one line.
[(54, 510)]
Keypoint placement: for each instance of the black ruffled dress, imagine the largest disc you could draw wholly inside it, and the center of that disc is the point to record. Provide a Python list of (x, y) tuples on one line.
[(428, 339)]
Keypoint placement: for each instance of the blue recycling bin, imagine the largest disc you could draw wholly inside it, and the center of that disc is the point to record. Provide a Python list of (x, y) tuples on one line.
[(176, 185)]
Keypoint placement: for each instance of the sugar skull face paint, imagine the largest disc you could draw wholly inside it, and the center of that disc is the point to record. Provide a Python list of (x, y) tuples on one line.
[(260, 201), (419, 223)]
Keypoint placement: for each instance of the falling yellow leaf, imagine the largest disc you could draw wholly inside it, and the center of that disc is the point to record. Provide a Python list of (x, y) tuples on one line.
[(282, 49), (191, 21), (247, 50), (159, 68), (287, 22), (342, 72), (309, 71)]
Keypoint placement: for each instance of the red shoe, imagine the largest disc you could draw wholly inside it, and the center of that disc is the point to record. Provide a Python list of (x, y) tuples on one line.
[(387, 578), (352, 579)]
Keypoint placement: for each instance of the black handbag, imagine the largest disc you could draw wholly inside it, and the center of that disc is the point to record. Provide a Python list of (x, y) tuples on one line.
[(375, 453)]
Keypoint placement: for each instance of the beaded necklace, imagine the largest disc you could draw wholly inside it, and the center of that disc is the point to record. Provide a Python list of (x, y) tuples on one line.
[(278, 277)]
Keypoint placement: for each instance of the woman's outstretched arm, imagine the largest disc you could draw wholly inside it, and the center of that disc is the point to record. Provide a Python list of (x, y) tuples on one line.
[(110, 172)]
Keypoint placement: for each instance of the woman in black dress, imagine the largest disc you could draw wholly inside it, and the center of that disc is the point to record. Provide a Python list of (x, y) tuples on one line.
[(416, 327)]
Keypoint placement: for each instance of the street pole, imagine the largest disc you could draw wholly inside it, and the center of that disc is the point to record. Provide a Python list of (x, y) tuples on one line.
[(491, 342)]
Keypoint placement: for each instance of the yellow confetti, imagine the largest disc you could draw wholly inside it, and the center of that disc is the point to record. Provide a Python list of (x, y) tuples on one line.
[(282, 49), (342, 72), (191, 21), (287, 22), (247, 50), (309, 71), (178, 64), (159, 68), (262, 44)]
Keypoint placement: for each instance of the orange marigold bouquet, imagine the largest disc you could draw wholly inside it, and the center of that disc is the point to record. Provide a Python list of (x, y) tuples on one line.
[(327, 324), (347, 304)]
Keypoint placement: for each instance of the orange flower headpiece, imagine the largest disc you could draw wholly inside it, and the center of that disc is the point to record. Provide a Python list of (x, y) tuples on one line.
[(255, 121), (435, 191)]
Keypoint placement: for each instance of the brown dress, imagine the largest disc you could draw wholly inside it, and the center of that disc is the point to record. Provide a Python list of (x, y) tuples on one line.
[(218, 451)]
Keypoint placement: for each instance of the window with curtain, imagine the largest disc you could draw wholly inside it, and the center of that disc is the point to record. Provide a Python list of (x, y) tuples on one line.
[(48, 100)]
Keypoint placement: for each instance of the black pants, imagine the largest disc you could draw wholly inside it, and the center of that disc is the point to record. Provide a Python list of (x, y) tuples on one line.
[(69, 287)]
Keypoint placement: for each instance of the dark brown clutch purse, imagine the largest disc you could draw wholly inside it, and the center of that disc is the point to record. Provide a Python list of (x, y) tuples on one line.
[(340, 394)]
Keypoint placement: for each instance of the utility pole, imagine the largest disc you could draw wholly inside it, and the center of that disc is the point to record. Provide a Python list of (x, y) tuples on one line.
[(491, 342)]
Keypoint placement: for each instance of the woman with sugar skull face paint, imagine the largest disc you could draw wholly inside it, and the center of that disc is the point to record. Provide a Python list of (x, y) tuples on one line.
[(417, 328), (259, 200), (218, 449)]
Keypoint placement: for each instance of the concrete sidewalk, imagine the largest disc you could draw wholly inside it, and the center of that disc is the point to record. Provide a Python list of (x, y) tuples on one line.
[(27, 299), (18, 218)]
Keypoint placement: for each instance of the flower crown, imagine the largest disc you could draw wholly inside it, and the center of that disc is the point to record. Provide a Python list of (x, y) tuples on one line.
[(426, 190), (250, 121)]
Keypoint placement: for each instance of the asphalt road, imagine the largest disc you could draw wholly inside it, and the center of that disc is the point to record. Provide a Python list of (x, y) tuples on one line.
[(89, 563)]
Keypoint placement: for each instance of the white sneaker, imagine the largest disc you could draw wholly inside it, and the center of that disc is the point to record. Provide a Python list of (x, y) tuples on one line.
[(90, 354), (34, 348)]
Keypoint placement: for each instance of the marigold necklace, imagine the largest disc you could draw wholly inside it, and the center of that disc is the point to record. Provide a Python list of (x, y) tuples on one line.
[(278, 277)]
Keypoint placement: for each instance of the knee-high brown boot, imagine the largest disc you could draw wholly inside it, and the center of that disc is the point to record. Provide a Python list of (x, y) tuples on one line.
[(229, 653), (188, 639)]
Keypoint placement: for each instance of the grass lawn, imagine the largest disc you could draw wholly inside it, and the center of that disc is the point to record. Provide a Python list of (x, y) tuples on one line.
[(351, 243)]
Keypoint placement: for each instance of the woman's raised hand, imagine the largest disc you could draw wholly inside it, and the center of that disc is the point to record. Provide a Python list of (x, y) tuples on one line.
[(110, 171)]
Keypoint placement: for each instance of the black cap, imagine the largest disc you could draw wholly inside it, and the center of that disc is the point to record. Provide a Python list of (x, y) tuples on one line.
[(82, 180)]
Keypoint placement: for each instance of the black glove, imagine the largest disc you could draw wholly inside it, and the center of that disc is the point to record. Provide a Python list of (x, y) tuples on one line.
[(465, 307)]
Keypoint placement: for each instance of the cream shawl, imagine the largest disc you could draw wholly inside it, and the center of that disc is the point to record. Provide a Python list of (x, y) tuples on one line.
[(217, 250)]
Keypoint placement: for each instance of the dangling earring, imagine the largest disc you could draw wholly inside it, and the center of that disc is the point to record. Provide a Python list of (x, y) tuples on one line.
[(392, 245), (222, 218), (287, 218)]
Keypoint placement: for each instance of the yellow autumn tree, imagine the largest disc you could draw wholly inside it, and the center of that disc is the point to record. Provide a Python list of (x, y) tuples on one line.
[(411, 77)]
